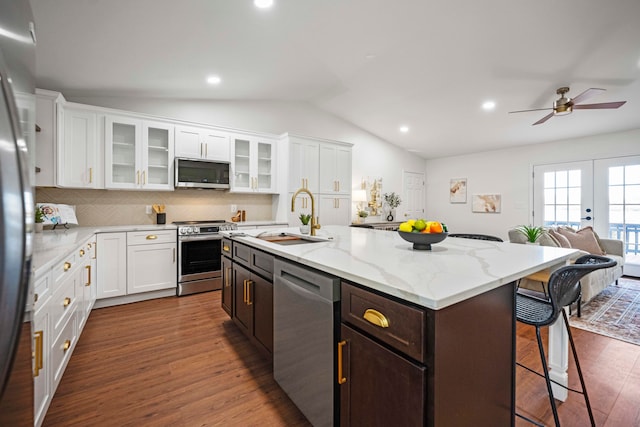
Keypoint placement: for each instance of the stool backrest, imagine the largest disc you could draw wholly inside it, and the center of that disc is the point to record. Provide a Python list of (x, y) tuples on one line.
[(564, 283)]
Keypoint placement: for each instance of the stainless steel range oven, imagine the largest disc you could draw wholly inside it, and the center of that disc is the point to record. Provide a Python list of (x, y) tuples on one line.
[(199, 251)]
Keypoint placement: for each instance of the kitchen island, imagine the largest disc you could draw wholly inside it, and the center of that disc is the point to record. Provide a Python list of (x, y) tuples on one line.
[(437, 343)]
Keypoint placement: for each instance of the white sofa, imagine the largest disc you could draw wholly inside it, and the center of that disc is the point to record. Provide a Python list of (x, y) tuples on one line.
[(594, 282)]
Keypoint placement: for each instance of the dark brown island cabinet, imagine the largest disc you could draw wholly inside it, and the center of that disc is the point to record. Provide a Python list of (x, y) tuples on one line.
[(397, 363), (247, 292), (405, 365)]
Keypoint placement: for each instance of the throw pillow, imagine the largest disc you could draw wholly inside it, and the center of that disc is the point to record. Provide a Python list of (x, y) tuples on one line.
[(563, 241), (546, 239), (584, 239)]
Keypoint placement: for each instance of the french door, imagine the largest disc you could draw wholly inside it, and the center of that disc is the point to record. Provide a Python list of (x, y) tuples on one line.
[(603, 193)]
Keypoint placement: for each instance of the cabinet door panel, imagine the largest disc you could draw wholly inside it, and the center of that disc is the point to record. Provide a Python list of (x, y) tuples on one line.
[(382, 388), (216, 145), (242, 312), (334, 210), (227, 286), (111, 264), (157, 156), (151, 267), (123, 139), (77, 167), (188, 143), (262, 298)]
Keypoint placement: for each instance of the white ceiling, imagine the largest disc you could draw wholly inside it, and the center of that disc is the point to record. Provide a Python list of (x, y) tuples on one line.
[(378, 64)]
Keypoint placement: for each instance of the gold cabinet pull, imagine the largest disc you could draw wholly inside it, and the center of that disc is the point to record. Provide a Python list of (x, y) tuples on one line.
[(244, 289), (81, 252), (90, 175), (35, 297), (226, 248), (376, 318), (66, 345), (66, 302), (227, 277), (39, 336), (249, 283), (137, 177), (174, 255), (67, 266), (88, 267), (152, 237), (95, 250), (144, 177), (341, 378)]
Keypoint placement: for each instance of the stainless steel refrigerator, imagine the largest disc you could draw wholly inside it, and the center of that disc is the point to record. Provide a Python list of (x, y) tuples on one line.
[(17, 134)]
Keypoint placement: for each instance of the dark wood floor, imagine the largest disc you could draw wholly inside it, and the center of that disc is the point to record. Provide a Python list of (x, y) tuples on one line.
[(181, 362)]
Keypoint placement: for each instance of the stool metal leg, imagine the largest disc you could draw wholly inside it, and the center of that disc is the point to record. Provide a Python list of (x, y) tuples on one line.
[(575, 358), (543, 358)]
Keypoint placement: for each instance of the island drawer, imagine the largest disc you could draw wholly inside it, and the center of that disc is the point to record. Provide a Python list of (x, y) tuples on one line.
[(241, 253), (399, 325), (262, 263)]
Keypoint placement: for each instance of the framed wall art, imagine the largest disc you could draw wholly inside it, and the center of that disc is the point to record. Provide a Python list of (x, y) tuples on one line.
[(458, 190), (487, 203)]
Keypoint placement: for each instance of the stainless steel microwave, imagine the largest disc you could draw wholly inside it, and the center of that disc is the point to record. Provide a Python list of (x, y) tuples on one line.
[(192, 173)]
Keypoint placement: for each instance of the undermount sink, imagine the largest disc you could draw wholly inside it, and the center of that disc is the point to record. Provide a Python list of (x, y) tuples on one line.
[(290, 239)]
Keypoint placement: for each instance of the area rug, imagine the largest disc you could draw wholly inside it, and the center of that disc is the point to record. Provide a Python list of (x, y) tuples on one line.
[(614, 312)]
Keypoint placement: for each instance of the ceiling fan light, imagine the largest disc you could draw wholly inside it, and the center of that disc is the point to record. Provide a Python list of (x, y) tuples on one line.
[(562, 107)]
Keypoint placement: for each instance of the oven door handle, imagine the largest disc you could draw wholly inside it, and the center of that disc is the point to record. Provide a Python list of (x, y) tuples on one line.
[(198, 238)]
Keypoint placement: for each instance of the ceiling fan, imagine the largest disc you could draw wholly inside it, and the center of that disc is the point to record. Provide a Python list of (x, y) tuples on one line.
[(565, 106)]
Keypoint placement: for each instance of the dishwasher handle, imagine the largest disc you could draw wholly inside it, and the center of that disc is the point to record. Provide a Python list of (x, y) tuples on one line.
[(323, 285)]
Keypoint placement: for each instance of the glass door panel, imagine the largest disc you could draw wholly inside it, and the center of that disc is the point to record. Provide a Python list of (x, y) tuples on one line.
[(123, 145), (242, 164), (158, 155), (264, 165)]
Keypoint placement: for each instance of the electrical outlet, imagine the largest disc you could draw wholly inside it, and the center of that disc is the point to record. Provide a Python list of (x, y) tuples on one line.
[(148, 209), (234, 208)]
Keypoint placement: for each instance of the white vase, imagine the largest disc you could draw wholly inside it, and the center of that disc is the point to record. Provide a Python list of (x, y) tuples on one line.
[(304, 229), (39, 227)]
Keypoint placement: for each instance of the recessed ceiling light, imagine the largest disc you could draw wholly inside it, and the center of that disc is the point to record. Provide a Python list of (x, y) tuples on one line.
[(263, 4), (488, 105), (214, 80), (404, 129)]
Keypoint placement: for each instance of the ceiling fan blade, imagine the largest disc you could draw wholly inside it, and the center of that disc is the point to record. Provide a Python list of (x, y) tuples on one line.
[(535, 109), (544, 119), (599, 106), (589, 93)]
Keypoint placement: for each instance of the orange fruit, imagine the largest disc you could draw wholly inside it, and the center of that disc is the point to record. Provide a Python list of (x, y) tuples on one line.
[(435, 227)]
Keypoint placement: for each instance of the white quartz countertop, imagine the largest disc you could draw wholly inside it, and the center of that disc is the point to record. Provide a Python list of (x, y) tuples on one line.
[(454, 270), (51, 246)]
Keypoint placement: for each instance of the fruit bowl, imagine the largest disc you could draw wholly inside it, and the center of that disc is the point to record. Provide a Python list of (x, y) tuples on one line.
[(422, 241)]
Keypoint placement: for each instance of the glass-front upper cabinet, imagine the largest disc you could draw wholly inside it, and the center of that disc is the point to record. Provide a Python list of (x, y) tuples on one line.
[(139, 154), (253, 164)]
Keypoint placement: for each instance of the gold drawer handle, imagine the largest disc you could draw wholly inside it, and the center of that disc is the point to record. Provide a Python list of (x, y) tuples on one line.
[(67, 266), (152, 237), (66, 302), (66, 345), (375, 317), (88, 267), (226, 248), (249, 283), (341, 378), (81, 252), (39, 336)]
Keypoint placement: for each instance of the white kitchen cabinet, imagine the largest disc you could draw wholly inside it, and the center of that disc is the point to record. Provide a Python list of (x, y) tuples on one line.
[(202, 143), (335, 169), (304, 164), (253, 164), (86, 283), (151, 261), (47, 105), (334, 209), (111, 265), (42, 344), (79, 164), (138, 154)]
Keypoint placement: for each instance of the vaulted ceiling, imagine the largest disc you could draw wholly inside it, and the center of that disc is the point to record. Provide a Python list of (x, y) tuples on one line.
[(426, 64)]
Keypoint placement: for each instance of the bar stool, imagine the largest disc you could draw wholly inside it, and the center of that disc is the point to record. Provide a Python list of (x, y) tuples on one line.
[(563, 289)]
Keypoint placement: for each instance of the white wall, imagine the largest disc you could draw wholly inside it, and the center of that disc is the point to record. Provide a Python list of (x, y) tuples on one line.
[(372, 156), (508, 172)]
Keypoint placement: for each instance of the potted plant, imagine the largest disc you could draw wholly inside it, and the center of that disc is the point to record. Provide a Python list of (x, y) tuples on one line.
[(304, 219), (362, 214), (532, 233), (393, 201), (39, 219)]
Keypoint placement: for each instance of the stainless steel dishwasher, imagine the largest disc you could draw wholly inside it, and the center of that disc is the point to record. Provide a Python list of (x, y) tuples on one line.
[(305, 322)]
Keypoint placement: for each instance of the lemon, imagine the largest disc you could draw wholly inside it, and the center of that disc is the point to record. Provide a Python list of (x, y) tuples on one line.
[(410, 222), (420, 225), (406, 227)]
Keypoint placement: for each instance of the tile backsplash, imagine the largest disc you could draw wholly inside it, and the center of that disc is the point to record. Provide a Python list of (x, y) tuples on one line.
[(112, 207)]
